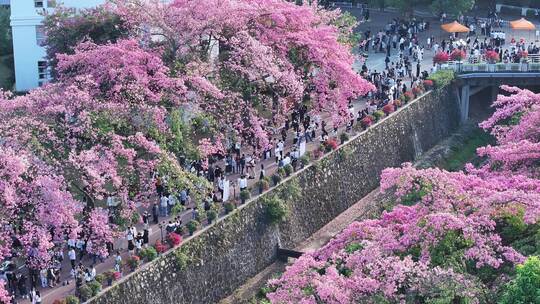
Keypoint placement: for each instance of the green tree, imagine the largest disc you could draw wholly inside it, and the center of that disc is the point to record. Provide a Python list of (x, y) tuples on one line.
[(525, 288), (408, 6), (6, 42), (66, 28), (452, 7)]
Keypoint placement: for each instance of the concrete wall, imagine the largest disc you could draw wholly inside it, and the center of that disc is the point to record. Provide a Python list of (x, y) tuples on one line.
[(237, 247)]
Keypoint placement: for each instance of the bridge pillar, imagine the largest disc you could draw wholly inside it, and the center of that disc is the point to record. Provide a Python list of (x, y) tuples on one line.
[(464, 102)]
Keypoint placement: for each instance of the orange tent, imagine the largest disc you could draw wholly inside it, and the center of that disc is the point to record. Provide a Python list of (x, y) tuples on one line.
[(522, 24), (455, 27)]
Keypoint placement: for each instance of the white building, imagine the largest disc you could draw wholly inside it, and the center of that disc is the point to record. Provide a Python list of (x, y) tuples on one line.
[(26, 19)]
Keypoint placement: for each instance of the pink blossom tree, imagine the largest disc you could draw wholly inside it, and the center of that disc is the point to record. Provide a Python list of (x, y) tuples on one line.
[(452, 234), (249, 63)]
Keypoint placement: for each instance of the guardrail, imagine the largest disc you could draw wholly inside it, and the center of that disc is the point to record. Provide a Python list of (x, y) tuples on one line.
[(492, 68)]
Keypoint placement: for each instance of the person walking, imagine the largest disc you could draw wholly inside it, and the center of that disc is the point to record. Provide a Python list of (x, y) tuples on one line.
[(72, 257)]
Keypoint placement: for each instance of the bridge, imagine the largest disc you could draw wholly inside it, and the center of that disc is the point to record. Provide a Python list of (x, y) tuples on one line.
[(472, 79)]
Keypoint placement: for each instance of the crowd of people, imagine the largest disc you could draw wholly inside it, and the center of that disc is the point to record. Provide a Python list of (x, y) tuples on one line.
[(404, 52)]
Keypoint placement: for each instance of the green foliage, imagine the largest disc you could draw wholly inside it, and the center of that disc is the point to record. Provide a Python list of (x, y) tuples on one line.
[(288, 169), (276, 178), (101, 278), (452, 7), (352, 247), (177, 209), (192, 226), (7, 72), (466, 151), (149, 253), (304, 160), (178, 179), (6, 40), (289, 191), (345, 22), (95, 286), (181, 139), (378, 114), (66, 28), (245, 195), (182, 259), (525, 288), (85, 292), (415, 195), (408, 6), (72, 300), (450, 250), (211, 215), (276, 209), (442, 78), (229, 207)]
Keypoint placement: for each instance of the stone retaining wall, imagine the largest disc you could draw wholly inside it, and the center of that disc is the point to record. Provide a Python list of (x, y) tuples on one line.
[(223, 256)]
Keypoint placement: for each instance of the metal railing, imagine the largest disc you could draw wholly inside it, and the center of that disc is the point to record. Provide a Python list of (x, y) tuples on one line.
[(492, 67)]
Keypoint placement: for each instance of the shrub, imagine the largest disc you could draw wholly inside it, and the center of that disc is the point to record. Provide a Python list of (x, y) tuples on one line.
[(181, 259), (160, 247), (428, 84), (288, 169), (441, 57), (389, 108), (177, 209), (525, 288), (71, 300), (281, 171), (367, 121), (343, 137), (211, 215), (229, 207), (192, 226), (101, 278), (117, 275), (276, 209), (317, 153), (330, 144), (458, 55), (263, 184), (442, 78), (378, 115), (397, 103), (85, 293), (416, 91), (492, 56), (276, 178), (244, 195), (134, 262), (57, 301), (304, 160), (150, 253), (174, 239), (95, 286)]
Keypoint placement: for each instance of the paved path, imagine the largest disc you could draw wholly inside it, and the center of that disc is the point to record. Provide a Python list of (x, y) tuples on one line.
[(374, 61)]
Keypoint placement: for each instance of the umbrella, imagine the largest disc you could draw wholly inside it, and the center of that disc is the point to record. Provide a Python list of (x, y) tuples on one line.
[(522, 24), (455, 27)]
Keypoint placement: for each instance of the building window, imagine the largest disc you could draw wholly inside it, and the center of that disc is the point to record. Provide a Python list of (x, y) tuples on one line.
[(38, 3), (43, 72), (40, 35)]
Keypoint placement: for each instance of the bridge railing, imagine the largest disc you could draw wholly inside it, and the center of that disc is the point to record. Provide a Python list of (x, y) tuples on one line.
[(492, 68)]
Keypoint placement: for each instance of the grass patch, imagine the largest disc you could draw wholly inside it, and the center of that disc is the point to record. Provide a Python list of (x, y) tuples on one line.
[(465, 152)]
